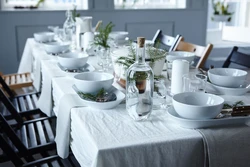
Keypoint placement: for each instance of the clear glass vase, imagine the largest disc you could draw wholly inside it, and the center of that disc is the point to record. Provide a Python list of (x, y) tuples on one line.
[(104, 59)]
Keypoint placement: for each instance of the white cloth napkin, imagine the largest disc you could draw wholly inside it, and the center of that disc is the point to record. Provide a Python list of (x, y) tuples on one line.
[(45, 100), (227, 146), (63, 124)]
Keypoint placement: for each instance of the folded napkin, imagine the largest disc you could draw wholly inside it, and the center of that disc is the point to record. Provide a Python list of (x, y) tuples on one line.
[(227, 146), (63, 124), (45, 100)]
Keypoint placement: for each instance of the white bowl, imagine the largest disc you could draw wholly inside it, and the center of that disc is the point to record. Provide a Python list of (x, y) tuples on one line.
[(227, 77), (73, 60), (92, 82), (197, 105), (174, 55), (56, 47), (44, 36)]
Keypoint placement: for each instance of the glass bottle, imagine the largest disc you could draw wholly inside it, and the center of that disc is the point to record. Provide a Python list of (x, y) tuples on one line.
[(139, 85), (69, 28)]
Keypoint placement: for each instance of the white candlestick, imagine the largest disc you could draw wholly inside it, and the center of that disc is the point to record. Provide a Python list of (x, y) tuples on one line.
[(179, 68)]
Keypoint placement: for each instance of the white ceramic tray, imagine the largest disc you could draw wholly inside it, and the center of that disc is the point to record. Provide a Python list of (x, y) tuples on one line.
[(196, 124), (228, 91), (103, 105), (86, 68)]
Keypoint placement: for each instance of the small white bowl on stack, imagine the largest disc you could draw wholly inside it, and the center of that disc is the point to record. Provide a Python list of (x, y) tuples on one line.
[(197, 105), (174, 55), (73, 60), (56, 47), (228, 81), (44, 36), (119, 37)]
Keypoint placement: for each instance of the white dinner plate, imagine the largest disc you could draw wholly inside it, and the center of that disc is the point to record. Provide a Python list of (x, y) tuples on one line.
[(204, 123), (228, 91), (104, 105), (86, 68)]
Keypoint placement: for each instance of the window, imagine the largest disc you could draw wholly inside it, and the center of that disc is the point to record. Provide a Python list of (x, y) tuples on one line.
[(48, 4), (238, 29), (149, 4)]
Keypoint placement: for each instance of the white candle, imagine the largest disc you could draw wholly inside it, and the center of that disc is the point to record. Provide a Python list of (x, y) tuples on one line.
[(179, 68)]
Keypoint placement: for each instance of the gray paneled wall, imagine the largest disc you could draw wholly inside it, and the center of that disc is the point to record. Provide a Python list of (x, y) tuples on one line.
[(17, 26)]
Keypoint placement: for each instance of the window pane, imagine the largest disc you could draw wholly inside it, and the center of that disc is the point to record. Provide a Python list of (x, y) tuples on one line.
[(56, 4), (149, 4)]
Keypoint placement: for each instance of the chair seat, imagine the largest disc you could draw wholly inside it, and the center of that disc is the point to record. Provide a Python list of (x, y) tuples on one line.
[(17, 81)]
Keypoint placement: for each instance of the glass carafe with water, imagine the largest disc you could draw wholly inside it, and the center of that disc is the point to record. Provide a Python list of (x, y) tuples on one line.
[(139, 85)]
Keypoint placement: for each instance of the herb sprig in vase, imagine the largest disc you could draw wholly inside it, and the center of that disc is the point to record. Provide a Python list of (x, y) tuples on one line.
[(101, 40)]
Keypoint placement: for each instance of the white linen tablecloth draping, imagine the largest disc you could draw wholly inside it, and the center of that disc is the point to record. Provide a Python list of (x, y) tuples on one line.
[(66, 103), (26, 60), (49, 71), (111, 138)]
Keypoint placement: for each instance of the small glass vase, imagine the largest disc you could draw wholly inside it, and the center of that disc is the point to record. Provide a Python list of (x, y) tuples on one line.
[(104, 59)]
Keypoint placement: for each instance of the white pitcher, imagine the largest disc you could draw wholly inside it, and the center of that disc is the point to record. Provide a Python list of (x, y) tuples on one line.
[(83, 24)]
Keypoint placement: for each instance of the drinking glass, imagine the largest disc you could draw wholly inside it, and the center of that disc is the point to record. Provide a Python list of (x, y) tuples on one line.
[(104, 59), (193, 82)]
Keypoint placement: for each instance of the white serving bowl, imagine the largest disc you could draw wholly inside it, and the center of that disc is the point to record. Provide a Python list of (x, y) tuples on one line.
[(92, 82), (174, 55), (44, 36), (73, 60), (227, 77), (56, 47), (197, 105)]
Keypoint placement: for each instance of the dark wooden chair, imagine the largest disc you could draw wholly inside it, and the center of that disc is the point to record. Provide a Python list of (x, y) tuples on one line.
[(31, 136), (237, 57), (22, 103), (44, 159), (166, 40), (18, 106)]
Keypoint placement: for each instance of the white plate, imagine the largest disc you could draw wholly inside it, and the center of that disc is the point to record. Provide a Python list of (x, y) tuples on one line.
[(104, 105), (86, 68), (228, 91), (195, 124)]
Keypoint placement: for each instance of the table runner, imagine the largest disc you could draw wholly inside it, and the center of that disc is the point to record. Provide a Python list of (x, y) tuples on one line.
[(227, 146)]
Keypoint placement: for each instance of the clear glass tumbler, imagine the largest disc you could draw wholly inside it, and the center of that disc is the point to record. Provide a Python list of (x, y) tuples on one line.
[(193, 82)]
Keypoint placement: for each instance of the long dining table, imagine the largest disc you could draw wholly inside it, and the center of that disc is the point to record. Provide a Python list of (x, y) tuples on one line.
[(110, 138)]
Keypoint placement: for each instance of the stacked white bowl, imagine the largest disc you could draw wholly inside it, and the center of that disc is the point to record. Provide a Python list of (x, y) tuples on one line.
[(73, 60), (227, 77)]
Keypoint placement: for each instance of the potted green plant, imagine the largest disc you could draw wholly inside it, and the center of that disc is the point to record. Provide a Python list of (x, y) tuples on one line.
[(221, 12)]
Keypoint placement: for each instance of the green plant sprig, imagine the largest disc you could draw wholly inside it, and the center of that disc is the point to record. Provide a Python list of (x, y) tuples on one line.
[(101, 39), (89, 96), (237, 103)]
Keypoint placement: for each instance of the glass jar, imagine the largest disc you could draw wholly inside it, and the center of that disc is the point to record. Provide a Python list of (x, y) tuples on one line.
[(139, 85), (69, 28)]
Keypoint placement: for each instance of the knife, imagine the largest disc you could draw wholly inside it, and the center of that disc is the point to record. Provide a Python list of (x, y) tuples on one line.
[(237, 111)]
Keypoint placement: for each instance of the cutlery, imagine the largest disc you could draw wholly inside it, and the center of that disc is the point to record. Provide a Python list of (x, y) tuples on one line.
[(235, 111)]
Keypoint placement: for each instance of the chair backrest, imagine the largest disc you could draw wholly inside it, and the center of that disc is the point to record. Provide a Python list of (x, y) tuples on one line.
[(6, 87), (7, 103), (167, 40), (237, 57), (200, 51)]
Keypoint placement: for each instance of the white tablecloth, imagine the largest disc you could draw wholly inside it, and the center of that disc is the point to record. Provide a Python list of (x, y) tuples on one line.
[(111, 137)]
